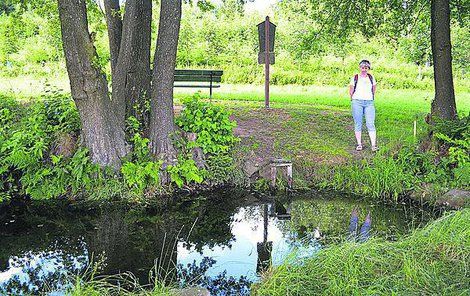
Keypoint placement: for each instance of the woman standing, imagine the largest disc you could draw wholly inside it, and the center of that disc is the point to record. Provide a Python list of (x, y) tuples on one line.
[(362, 90)]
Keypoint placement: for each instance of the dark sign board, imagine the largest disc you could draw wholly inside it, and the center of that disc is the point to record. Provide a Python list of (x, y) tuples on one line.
[(262, 36)]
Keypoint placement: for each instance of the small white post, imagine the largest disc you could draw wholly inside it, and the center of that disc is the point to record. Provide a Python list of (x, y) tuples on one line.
[(273, 176), (414, 128), (289, 176)]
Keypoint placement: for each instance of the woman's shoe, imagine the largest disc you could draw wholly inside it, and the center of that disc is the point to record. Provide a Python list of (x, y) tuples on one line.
[(375, 148), (359, 147)]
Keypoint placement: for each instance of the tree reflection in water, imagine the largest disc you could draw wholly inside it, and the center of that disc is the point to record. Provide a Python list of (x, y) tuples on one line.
[(235, 237), (221, 284), (35, 272)]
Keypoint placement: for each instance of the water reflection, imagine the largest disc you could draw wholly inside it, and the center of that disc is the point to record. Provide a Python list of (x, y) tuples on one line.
[(44, 270), (259, 242), (364, 233), (222, 242)]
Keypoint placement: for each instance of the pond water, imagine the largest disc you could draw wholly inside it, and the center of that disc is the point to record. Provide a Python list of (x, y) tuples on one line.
[(222, 240)]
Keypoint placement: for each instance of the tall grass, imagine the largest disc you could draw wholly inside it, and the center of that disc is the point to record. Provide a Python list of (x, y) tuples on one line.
[(123, 284), (381, 178), (431, 261), (89, 283)]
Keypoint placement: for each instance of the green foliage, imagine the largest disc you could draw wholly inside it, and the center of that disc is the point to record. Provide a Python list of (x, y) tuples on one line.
[(211, 123), (30, 38), (140, 171), (214, 135), (390, 176), (185, 172), (460, 44), (421, 165), (398, 174), (383, 178), (28, 164), (31, 161), (61, 176), (141, 175), (309, 50), (220, 168), (10, 112), (91, 284), (61, 112), (455, 137)]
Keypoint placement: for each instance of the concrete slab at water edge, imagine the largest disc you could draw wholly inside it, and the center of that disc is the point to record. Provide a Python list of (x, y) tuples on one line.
[(455, 199), (193, 291)]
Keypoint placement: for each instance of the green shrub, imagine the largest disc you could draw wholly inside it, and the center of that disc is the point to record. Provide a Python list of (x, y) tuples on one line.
[(454, 136), (140, 171), (211, 123), (390, 175), (215, 137), (220, 168), (141, 175), (28, 164), (60, 177), (185, 171), (61, 112)]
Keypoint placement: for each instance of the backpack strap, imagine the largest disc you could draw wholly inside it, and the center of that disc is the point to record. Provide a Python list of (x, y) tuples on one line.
[(356, 77)]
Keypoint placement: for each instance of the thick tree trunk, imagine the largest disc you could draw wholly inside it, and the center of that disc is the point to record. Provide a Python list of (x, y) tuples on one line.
[(101, 132), (443, 105), (161, 116), (114, 22), (131, 81)]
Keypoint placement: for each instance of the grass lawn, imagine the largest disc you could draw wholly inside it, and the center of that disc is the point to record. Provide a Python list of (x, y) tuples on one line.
[(308, 124), (313, 127), (316, 121)]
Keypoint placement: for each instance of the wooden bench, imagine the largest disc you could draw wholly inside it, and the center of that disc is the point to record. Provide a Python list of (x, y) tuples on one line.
[(212, 77)]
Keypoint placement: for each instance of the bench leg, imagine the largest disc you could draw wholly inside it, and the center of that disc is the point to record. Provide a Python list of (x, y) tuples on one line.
[(210, 91)]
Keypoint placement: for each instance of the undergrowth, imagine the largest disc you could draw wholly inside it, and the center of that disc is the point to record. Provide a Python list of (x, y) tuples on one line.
[(41, 156)]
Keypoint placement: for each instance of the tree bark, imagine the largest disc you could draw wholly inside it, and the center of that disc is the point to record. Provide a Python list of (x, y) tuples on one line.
[(131, 81), (114, 23), (162, 116), (101, 132), (443, 106)]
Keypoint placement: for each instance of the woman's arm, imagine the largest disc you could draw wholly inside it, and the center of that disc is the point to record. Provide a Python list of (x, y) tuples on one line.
[(351, 91), (374, 87)]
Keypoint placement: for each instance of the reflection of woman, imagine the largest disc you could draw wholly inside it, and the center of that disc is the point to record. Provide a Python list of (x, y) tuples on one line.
[(362, 90)]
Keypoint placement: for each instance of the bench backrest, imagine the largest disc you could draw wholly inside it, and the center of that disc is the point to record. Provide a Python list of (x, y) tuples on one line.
[(198, 75)]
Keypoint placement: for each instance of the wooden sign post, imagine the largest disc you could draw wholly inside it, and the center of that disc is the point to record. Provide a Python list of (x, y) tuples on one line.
[(266, 33), (266, 63)]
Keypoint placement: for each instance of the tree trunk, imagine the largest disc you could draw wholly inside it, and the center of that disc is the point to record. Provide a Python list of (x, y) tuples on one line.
[(161, 116), (101, 132), (443, 106), (131, 82), (114, 23)]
